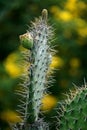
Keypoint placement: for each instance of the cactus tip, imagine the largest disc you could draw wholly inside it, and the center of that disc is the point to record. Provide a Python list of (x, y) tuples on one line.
[(44, 14)]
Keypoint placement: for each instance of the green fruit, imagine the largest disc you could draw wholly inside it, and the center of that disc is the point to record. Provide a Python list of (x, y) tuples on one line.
[(26, 40)]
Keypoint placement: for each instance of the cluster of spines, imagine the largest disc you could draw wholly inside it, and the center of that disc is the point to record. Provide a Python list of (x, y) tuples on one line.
[(40, 61), (72, 113), (33, 86)]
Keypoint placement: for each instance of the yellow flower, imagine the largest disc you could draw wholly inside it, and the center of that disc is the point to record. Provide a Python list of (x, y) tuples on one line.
[(74, 62), (59, 14), (10, 116), (12, 65), (56, 62), (48, 102), (65, 16), (82, 32), (80, 23), (71, 5)]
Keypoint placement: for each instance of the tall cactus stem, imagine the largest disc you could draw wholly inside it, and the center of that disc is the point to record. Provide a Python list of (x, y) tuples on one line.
[(33, 87)]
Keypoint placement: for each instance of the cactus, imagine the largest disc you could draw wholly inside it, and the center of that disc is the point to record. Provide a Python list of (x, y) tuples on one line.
[(72, 114), (34, 84)]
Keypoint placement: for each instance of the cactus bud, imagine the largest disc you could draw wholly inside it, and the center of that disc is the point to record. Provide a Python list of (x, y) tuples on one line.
[(26, 40)]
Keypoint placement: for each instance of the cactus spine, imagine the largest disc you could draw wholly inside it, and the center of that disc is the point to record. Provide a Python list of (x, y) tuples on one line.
[(33, 86), (73, 112)]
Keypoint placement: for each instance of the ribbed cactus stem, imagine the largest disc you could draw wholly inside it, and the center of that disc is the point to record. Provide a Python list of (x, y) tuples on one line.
[(33, 88), (39, 64)]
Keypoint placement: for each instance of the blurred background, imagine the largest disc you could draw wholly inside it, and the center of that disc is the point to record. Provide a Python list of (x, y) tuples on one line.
[(69, 20)]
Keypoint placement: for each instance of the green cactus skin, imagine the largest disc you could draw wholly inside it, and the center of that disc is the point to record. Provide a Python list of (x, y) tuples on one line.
[(73, 113), (33, 86), (40, 63)]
